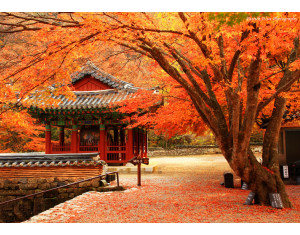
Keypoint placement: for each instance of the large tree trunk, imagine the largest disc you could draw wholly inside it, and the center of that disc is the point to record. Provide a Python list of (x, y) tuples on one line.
[(270, 150), (263, 179)]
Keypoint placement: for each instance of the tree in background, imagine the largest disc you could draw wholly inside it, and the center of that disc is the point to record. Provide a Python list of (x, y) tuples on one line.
[(19, 134)]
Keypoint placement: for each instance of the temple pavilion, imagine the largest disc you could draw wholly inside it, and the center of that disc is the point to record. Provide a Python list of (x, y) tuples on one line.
[(95, 127)]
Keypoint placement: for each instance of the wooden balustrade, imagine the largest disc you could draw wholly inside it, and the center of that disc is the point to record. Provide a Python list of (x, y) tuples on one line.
[(60, 148)]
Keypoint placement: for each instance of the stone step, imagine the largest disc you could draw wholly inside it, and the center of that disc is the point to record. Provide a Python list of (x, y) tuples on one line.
[(133, 169)]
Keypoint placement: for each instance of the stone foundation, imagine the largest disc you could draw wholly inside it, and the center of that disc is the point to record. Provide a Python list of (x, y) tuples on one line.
[(25, 208), (192, 150)]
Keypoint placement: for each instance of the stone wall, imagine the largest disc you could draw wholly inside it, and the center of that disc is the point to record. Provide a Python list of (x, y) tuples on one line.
[(25, 208), (192, 150)]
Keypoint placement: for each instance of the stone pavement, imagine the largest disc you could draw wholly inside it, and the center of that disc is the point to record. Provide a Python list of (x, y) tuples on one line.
[(187, 191)]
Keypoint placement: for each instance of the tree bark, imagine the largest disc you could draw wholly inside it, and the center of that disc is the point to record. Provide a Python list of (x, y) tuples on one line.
[(264, 179)]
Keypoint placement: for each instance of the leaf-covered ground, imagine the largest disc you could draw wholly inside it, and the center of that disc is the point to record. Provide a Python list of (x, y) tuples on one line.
[(187, 191)]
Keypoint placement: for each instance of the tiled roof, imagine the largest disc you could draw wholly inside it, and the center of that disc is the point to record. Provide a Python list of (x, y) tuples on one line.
[(92, 99), (94, 71), (49, 160), (89, 99)]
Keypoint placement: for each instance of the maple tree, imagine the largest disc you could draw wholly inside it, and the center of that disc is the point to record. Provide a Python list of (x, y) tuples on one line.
[(19, 134), (220, 75)]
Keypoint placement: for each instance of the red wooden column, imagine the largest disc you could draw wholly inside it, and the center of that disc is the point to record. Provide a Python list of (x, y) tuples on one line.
[(129, 145), (48, 138), (61, 135), (74, 139), (101, 145), (116, 136), (122, 137)]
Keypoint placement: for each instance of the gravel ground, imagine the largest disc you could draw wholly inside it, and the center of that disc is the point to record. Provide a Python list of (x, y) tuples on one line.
[(187, 191)]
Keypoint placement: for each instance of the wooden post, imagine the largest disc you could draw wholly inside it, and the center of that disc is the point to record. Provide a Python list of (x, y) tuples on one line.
[(48, 149), (61, 135), (101, 145), (146, 144), (74, 139), (139, 174), (142, 142), (129, 144)]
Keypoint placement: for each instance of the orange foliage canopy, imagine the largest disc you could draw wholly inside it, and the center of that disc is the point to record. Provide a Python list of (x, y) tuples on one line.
[(50, 46)]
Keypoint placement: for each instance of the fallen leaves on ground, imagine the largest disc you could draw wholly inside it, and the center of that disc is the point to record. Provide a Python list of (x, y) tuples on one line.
[(187, 191)]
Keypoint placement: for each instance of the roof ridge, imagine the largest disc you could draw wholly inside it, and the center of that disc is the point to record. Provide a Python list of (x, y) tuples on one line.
[(107, 74), (91, 69)]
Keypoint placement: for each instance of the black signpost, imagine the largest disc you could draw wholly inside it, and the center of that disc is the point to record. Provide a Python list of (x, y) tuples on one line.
[(137, 160), (228, 179), (249, 198), (275, 200)]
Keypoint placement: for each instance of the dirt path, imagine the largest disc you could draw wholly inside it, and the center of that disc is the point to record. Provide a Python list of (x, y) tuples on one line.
[(187, 191)]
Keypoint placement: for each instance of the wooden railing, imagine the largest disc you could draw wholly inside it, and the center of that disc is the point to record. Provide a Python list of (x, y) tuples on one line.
[(85, 146), (116, 153), (58, 148)]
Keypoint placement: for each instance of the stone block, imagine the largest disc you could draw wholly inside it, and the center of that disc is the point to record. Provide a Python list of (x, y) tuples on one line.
[(83, 184), (95, 183), (63, 195), (19, 216), (62, 190), (82, 190), (32, 186), (13, 186), (89, 183), (38, 206), (56, 179), (100, 189), (61, 183), (70, 190), (41, 181), (23, 186), (76, 191), (50, 202), (15, 181), (37, 191), (1, 185), (7, 192), (32, 181), (71, 195), (53, 185), (148, 169), (51, 194), (7, 181), (71, 180), (61, 179), (44, 186), (23, 180), (73, 186), (50, 180)]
